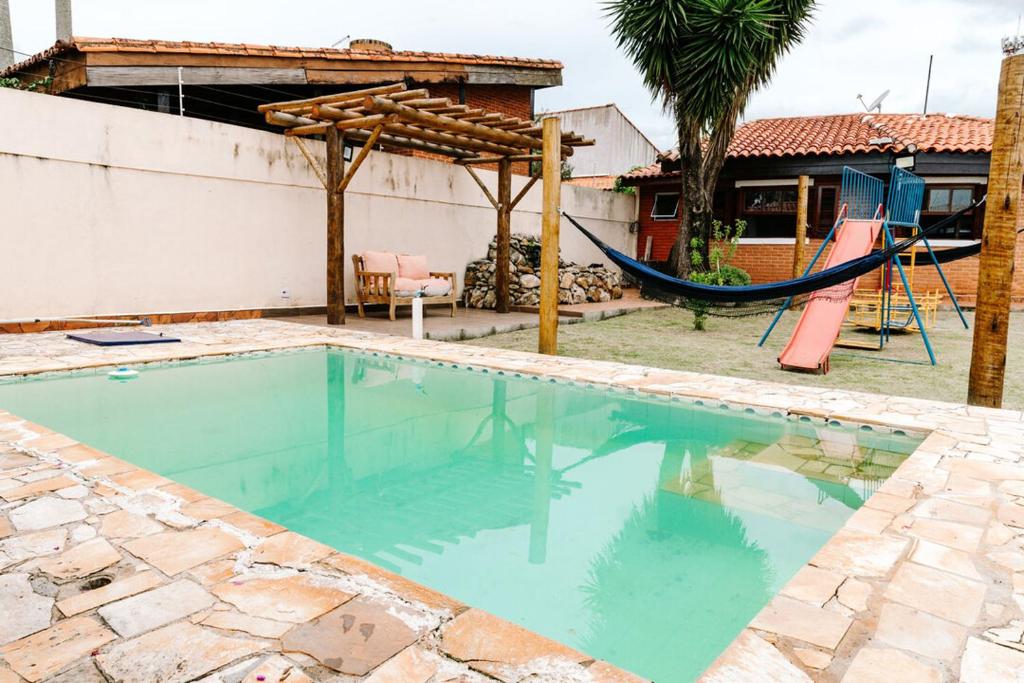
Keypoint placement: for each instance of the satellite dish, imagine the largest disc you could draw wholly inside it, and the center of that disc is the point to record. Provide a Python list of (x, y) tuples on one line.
[(877, 104)]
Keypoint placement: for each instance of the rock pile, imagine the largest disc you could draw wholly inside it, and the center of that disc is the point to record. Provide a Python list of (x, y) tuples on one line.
[(576, 284)]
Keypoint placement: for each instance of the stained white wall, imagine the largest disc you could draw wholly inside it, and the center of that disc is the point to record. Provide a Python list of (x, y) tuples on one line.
[(619, 145), (106, 210)]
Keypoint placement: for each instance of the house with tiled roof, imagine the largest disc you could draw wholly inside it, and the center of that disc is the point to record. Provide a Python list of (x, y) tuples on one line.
[(758, 183), (225, 81)]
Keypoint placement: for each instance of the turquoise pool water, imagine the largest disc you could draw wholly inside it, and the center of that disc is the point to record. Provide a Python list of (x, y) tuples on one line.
[(641, 531)]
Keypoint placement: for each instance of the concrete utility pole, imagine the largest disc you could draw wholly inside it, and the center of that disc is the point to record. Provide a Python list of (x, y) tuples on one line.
[(6, 40), (62, 11)]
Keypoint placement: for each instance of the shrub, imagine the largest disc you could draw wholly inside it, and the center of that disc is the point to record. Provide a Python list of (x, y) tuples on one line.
[(717, 271)]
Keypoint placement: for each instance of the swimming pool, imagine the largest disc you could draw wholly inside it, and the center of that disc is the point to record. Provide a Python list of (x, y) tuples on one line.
[(642, 531)]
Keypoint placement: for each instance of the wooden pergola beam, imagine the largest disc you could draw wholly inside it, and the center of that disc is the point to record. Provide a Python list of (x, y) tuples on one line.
[(526, 188), (358, 161), (346, 119), (483, 186), (466, 113), (311, 160), (381, 105), (292, 123), (352, 95), (494, 160)]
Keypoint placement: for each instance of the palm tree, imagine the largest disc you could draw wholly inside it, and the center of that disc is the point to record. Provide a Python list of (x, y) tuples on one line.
[(703, 59)]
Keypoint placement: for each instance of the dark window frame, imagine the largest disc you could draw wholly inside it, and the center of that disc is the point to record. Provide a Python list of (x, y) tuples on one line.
[(925, 211), (745, 210), (975, 216), (665, 217)]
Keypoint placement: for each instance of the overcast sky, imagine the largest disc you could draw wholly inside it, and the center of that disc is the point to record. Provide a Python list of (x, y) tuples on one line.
[(853, 47)]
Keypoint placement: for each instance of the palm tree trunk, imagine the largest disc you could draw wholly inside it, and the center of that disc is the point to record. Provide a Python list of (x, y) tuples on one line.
[(694, 207)]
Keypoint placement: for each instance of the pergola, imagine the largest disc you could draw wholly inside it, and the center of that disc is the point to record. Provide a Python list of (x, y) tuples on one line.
[(394, 117)]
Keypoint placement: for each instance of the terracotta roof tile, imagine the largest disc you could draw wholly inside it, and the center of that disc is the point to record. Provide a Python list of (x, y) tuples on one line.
[(84, 44), (849, 134), (599, 182)]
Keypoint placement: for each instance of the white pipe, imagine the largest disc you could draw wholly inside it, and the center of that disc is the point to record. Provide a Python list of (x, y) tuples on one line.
[(417, 318), (181, 95)]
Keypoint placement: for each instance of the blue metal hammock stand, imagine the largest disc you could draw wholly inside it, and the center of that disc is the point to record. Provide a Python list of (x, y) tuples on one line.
[(859, 197)]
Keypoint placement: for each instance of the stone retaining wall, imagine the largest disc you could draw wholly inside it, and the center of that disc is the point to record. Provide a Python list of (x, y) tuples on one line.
[(576, 284)]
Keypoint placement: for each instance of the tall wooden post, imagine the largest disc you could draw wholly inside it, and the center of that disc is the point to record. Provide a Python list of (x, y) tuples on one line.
[(999, 239), (335, 228), (551, 164), (801, 226), (501, 273)]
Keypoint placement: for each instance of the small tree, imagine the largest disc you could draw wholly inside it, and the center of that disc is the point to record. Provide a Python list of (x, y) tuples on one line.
[(703, 59), (716, 270)]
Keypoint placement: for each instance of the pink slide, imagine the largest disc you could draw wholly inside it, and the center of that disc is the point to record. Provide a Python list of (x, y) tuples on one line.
[(816, 332)]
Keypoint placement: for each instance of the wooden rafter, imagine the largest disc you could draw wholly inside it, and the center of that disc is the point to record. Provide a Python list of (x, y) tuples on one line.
[(313, 163), (358, 161), (483, 186), (526, 188), (412, 119)]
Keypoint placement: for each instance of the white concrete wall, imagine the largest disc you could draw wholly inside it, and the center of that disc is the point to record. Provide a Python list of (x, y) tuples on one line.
[(106, 210), (619, 145)]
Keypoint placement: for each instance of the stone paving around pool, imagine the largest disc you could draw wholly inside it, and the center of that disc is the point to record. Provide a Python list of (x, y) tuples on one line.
[(108, 568)]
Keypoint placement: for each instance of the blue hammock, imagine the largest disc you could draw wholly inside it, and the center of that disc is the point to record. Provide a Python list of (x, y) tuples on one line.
[(824, 279)]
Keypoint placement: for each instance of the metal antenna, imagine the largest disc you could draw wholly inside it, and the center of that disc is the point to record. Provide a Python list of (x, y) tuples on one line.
[(928, 85), (339, 42)]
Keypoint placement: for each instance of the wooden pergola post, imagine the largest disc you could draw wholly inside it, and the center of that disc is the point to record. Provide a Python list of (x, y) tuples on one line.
[(999, 239), (395, 117), (801, 225), (335, 227), (503, 301), (552, 178)]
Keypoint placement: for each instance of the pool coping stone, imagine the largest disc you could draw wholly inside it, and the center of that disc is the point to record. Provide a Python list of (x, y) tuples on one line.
[(947, 527)]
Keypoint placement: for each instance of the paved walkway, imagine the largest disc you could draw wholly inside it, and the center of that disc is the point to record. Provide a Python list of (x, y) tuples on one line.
[(924, 583), (470, 323)]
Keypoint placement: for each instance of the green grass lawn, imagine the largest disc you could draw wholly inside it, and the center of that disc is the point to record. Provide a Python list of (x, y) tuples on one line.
[(665, 338)]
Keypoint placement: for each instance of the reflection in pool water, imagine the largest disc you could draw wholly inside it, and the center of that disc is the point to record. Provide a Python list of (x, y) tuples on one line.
[(640, 531)]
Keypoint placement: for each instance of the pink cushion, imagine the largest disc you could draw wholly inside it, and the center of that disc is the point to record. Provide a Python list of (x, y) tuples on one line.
[(380, 262), (435, 286), (406, 285), (414, 267), (431, 286)]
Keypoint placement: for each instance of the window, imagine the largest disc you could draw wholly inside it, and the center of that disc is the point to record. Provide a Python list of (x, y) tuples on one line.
[(769, 201), (768, 211), (941, 201), (666, 206), (948, 199)]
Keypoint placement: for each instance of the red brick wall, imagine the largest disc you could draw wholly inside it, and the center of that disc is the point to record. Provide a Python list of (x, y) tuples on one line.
[(662, 232), (513, 100)]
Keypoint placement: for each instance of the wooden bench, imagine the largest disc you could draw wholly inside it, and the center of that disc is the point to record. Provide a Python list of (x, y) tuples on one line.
[(374, 287)]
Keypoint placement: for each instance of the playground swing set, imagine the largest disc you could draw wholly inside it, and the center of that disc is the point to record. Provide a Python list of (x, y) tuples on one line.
[(863, 216)]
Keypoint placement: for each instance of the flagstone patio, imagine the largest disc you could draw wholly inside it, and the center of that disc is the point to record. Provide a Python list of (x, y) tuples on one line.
[(107, 570)]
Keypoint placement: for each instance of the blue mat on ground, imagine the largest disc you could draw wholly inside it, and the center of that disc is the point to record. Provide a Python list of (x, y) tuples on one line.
[(112, 338)]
